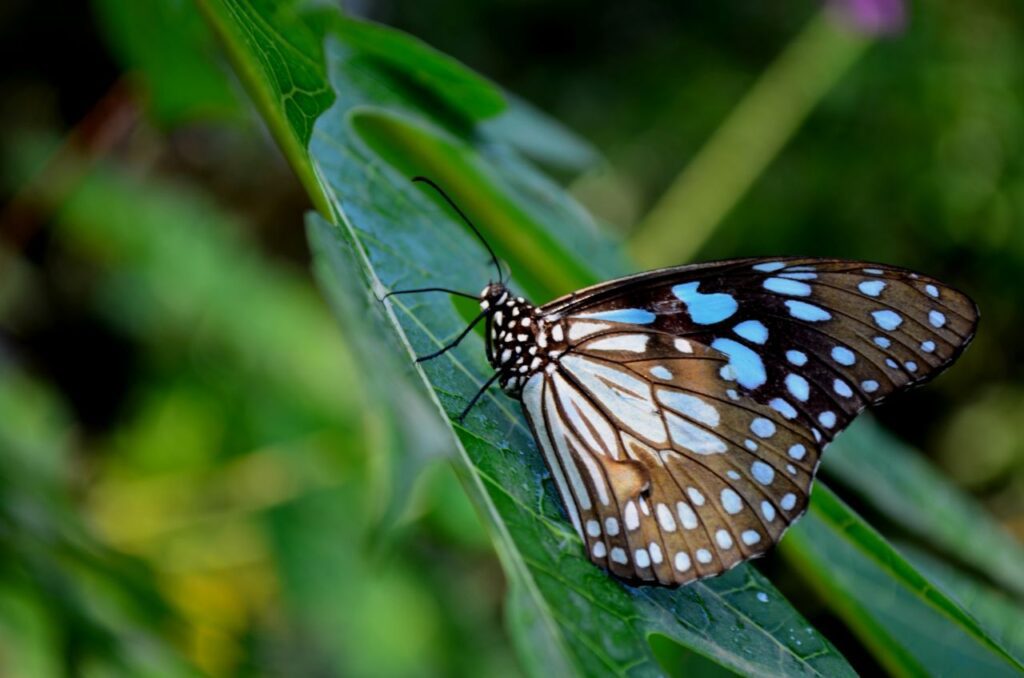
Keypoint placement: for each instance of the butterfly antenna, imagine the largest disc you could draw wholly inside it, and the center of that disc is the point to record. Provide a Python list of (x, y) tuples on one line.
[(431, 289), (469, 223)]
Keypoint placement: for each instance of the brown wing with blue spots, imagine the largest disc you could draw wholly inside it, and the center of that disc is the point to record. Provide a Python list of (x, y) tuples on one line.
[(667, 472), (683, 412), (816, 339)]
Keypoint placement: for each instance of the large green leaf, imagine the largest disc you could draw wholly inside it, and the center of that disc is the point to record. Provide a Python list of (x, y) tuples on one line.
[(998, 613), (567, 617), (909, 623), (283, 70), (562, 610), (565, 614), (898, 482), (406, 434)]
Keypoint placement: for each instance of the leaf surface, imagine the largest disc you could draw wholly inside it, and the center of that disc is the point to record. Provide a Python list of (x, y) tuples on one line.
[(566, 615), (911, 626), (901, 484)]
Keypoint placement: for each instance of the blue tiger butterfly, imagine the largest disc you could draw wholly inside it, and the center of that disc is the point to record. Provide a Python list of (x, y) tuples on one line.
[(682, 412)]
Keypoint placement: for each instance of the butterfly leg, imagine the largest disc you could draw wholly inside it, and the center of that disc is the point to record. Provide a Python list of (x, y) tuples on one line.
[(472, 402), (455, 342)]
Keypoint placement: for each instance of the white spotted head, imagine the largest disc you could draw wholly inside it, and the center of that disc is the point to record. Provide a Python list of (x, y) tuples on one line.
[(493, 295), (513, 346)]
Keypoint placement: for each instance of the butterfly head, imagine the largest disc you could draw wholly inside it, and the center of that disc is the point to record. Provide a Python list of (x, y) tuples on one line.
[(493, 296), (514, 347)]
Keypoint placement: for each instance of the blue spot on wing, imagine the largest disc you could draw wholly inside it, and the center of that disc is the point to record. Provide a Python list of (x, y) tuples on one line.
[(872, 288), (887, 320), (752, 330), (705, 309), (635, 316), (746, 364), (801, 310), (798, 386), (794, 288), (769, 266), (843, 355), (783, 408)]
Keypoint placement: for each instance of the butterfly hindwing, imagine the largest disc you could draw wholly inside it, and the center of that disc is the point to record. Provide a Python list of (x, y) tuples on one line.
[(684, 417), (671, 474)]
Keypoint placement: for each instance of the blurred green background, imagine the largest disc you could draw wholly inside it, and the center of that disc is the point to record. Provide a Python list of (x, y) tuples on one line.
[(187, 459)]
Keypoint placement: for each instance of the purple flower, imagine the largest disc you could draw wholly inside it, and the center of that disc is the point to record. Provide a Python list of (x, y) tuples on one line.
[(874, 17)]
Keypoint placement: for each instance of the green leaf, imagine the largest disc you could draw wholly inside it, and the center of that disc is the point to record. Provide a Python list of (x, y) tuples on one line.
[(541, 138), (276, 46), (910, 625), (280, 59), (565, 614), (405, 434), (460, 89), (899, 483), (1001, 616)]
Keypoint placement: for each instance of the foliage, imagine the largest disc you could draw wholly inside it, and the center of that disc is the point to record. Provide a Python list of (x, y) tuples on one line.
[(266, 500), (380, 112)]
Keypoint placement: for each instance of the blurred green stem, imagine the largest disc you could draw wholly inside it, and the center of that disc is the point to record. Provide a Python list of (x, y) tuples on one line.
[(753, 134)]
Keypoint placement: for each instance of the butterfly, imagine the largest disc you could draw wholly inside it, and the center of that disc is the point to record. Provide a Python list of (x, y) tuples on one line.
[(683, 412)]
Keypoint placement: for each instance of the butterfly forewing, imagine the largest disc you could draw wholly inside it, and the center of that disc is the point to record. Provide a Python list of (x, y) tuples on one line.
[(823, 338), (684, 411)]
